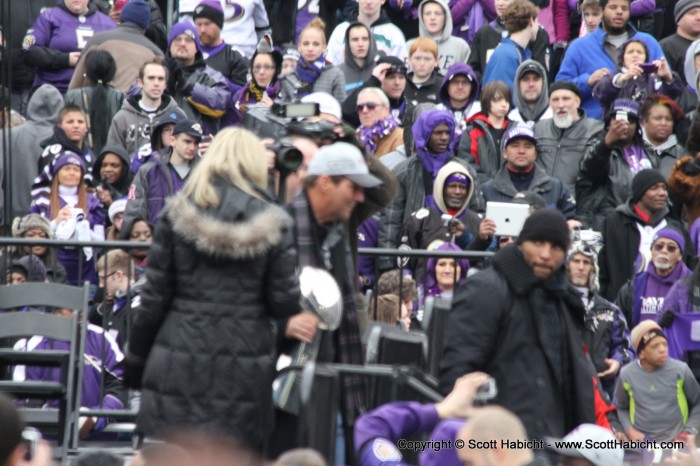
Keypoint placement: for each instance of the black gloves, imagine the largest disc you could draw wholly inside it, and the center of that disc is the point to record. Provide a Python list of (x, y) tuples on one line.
[(176, 77), (667, 319)]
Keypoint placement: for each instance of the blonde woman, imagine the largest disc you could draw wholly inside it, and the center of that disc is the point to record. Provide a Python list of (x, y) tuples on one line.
[(221, 266)]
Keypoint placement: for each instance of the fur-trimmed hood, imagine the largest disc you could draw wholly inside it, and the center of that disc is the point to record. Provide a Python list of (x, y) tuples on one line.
[(241, 227), (684, 180)]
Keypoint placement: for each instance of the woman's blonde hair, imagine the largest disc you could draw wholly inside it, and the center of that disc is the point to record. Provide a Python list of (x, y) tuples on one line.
[(236, 155), (319, 25)]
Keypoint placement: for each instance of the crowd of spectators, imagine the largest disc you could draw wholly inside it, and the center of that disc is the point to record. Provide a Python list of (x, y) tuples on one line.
[(435, 112)]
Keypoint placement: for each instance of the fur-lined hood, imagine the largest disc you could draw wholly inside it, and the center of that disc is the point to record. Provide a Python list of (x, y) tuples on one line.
[(241, 227), (684, 180)]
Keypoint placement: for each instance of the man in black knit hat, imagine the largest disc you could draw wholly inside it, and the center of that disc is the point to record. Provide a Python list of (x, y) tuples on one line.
[(524, 331), (629, 231)]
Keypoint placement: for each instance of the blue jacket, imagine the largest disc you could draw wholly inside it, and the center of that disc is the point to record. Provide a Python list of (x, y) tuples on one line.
[(587, 54), (504, 62)]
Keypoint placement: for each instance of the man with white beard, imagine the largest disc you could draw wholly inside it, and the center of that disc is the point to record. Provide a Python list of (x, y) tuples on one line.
[(562, 140), (643, 296)]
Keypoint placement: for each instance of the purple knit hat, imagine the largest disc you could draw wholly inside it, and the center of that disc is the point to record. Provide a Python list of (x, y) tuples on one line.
[(66, 158), (183, 27), (673, 235)]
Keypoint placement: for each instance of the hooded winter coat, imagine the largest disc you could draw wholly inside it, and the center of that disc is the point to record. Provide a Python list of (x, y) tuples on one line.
[(415, 185), (356, 75), (451, 49), (426, 225), (472, 107), (521, 112), (121, 187), (215, 279), (692, 73), (131, 126), (389, 38), (42, 115), (424, 92), (560, 151)]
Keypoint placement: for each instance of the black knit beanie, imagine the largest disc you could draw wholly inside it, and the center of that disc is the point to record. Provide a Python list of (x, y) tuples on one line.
[(644, 180), (546, 225)]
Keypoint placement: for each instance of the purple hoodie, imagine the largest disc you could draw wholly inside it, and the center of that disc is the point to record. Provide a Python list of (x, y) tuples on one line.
[(460, 114), (430, 279)]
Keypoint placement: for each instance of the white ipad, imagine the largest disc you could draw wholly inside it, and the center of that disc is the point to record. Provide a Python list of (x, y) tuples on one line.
[(509, 217)]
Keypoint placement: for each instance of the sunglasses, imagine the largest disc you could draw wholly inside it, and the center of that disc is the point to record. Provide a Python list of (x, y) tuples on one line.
[(369, 106), (669, 247)]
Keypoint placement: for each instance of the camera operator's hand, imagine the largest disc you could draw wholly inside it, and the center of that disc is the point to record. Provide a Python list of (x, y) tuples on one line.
[(456, 228), (380, 71), (104, 196), (204, 144), (459, 402), (618, 131), (302, 326), (267, 142)]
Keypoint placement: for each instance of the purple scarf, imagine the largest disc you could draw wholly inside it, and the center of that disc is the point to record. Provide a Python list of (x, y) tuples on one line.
[(370, 137), (636, 158), (309, 73)]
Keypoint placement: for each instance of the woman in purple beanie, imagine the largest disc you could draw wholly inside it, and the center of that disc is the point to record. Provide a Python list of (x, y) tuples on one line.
[(74, 213), (440, 278)]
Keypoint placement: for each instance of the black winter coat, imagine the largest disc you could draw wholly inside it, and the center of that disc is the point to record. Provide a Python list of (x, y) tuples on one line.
[(619, 253), (504, 333), (215, 279)]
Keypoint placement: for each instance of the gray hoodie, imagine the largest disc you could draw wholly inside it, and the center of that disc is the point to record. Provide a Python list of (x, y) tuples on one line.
[(691, 73), (42, 115), (521, 112), (131, 126), (451, 49), (356, 75)]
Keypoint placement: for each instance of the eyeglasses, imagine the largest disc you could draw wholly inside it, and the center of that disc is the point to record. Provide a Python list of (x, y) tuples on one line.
[(258, 69), (371, 106), (669, 247), (103, 278)]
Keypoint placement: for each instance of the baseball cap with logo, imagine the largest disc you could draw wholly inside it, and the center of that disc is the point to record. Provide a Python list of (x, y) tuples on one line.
[(343, 159), (189, 127), (520, 131)]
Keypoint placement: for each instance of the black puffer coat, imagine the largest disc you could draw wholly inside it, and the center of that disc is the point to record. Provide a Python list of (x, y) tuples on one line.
[(215, 279)]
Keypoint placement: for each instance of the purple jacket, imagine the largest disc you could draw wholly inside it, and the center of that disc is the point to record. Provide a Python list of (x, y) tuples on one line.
[(98, 355), (55, 33), (78, 267), (468, 16), (378, 433), (640, 286), (156, 181)]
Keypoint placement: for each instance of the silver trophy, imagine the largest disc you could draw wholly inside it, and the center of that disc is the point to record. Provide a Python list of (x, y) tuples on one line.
[(319, 294)]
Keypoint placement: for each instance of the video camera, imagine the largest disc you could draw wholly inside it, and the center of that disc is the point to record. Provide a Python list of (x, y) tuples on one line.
[(282, 120)]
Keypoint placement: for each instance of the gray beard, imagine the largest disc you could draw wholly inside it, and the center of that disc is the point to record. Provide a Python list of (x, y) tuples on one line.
[(662, 265), (563, 122)]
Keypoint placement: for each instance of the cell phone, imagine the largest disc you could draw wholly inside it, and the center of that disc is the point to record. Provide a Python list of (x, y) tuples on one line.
[(31, 437), (648, 68), (487, 391), (206, 139), (621, 115)]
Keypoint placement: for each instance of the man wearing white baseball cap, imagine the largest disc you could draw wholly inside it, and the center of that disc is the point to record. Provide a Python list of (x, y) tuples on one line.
[(597, 447), (328, 107)]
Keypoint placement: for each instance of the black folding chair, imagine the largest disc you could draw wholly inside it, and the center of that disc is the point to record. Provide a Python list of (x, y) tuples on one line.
[(61, 422)]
